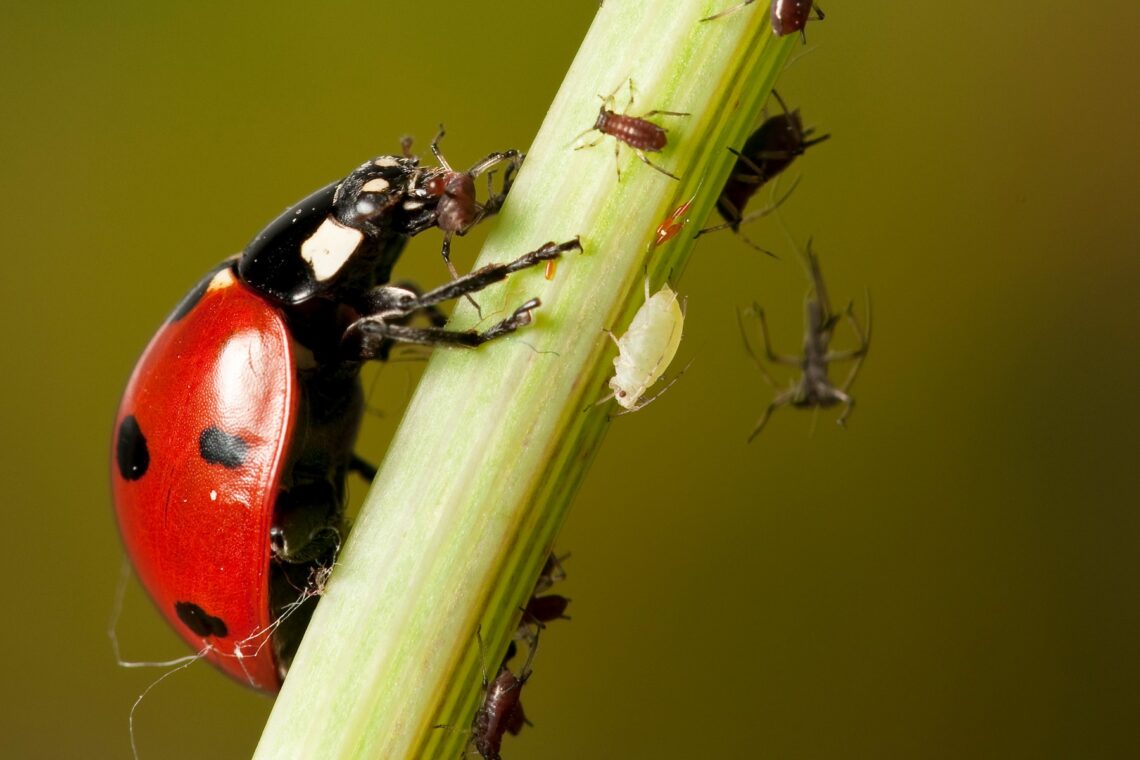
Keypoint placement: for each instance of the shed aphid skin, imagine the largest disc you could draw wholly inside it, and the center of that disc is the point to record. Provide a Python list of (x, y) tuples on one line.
[(787, 16), (669, 228), (646, 349), (813, 389), (635, 131)]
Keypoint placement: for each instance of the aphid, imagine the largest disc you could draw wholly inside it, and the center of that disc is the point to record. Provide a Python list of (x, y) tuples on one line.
[(647, 348), (787, 16), (766, 153), (814, 388), (543, 608), (669, 228), (501, 711), (458, 210), (635, 131)]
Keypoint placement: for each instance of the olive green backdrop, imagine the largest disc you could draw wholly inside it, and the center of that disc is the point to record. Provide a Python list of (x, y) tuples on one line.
[(953, 576)]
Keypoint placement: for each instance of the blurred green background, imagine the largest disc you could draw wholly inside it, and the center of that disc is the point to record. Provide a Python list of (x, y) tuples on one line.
[(953, 576)]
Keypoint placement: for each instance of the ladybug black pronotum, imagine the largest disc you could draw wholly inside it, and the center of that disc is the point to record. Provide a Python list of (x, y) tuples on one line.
[(235, 434)]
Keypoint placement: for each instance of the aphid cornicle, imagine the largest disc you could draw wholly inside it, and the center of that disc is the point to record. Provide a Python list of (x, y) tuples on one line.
[(646, 348), (637, 132), (813, 389)]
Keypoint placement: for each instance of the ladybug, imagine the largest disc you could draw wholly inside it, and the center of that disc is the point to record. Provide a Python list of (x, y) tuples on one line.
[(235, 434)]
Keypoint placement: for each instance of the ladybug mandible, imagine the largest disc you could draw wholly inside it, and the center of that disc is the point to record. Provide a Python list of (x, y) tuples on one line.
[(235, 434)]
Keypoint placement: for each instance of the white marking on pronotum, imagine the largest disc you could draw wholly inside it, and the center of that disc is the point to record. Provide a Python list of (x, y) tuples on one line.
[(386, 161), (376, 185), (647, 348), (327, 249)]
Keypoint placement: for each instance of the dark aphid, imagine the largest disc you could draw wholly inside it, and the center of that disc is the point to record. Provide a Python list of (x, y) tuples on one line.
[(458, 209), (814, 388), (635, 131), (787, 16), (766, 153), (792, 15), (542, 608), (501, 712)]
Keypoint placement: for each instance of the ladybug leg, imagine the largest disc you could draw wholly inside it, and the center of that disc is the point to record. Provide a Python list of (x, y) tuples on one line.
[(371, 335), (361, 467), (488, 275), (306, 522), (389, 307)]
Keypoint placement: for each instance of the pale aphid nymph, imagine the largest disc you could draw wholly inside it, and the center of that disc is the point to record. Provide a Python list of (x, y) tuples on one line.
[(646, 348)]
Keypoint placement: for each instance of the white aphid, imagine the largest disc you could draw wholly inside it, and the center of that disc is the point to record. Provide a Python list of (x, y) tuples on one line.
[(647, 347)]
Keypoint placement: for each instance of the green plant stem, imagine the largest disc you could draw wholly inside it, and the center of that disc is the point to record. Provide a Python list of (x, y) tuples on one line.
[(495, 441)]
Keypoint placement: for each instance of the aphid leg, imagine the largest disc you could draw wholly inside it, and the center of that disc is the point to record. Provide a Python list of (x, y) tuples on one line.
[(782, 400), (727, 11), (666, 113), (748, 346), (864, 343), (790, 361), (758, 214), (848, 407), (642, 156)]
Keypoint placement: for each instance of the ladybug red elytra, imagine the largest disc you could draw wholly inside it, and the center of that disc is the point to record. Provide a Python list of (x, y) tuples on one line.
[(235, 434)]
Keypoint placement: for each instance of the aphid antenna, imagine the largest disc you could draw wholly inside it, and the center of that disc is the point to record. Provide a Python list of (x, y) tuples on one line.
[(727, 11), (436, 151)]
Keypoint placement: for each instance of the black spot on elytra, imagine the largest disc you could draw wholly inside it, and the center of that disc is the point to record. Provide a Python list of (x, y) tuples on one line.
[(219, 447), (131, 452), (191, 299), (199, 621)]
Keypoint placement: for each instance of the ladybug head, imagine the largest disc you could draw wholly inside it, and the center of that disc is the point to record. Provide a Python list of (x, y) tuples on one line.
[(366, 199)]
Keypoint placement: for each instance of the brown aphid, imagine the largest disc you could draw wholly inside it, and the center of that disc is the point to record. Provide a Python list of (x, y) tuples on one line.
[(542, 608), (637, 132), (813, 389), (787, 16), (501, 711), (458, 208)]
